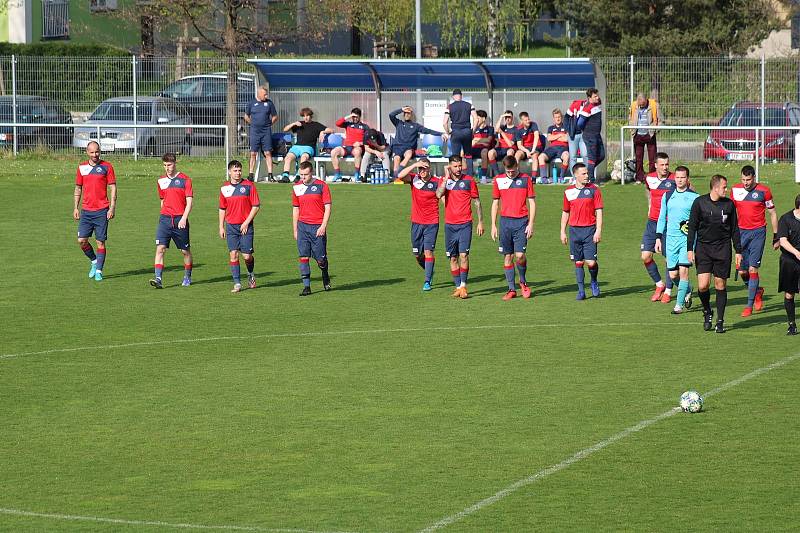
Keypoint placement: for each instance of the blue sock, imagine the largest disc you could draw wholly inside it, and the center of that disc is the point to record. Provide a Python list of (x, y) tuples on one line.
[(356, 175), (429, 262), (464, 274), (495, 167), (580, 277), (88, 251), (470, 166), (652, 269), (305, 272), (235, 272), (159, 269), (593, 272), (456, 277), (522, 268), (337, 174), (509, 270), (683, 290), (668, 282), (187, 270), (101, 258), (752, 289)]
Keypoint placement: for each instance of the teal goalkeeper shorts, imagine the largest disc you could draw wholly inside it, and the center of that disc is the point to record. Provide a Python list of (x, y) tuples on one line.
[(677, 254)]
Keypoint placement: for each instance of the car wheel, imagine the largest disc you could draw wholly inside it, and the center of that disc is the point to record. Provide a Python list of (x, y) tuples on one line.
[(187, 146)]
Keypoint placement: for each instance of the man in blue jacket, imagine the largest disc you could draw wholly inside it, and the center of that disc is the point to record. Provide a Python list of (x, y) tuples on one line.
[(405, 140)]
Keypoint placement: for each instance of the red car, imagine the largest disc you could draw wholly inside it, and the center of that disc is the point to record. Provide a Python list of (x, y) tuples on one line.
[(740, 145)]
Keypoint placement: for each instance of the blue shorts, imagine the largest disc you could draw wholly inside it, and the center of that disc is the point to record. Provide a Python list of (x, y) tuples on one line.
[(753, 241), (400, 151), (677, 254), (299, 150), (555, 152), (476, 153), (512, 235), (581, 244), (93, 222), (237, 241), (168, 230), (308, 244), (461, 140), (423, 237), (457, 239), (348, 151), (261, 140), (649, 238)]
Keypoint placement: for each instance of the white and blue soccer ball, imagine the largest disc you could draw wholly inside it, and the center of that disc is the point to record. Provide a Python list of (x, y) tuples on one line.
[(691, 402)]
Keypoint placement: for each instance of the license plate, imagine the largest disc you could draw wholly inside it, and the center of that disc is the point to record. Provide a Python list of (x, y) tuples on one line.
[(106, 147), (740, 156)]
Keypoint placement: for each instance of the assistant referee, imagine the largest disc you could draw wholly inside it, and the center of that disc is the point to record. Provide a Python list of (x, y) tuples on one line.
[(711, 228)]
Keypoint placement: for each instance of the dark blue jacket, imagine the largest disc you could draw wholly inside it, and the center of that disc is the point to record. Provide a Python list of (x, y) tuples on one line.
[(407, 131)]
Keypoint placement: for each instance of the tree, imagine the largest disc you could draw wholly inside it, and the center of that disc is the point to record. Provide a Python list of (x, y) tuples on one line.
[(668, 27)]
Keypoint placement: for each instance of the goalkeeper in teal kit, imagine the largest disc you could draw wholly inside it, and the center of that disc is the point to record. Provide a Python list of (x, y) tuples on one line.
[(676, 205)]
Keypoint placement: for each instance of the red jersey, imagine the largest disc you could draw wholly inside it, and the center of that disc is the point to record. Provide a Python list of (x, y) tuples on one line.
[(353, 131), (556, 130), (513, 194), (174, 192), (527, 135), (657, 188), (311, 199), (458, 196), (510, 132), (238, 200), (424, 203), (581, 204), (94, 181), (751, 205), (483, 137)]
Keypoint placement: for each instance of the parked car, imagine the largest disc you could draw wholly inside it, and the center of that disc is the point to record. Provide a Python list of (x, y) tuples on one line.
[(149, 141), (740, 145), (36, 110), (205, 97)]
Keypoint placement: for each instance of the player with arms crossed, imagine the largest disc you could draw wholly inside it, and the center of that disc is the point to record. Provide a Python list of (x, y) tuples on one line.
[(712, 227), (459, 191), (676, 205), (424, 215), (583, 211), (752, 201), (238, 206), (515, 192), (789, 271), (175, 192), (93, 179), (657, 184), (311, 211)]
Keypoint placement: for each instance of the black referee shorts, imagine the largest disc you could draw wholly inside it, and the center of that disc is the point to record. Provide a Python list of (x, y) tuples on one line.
[(713, 258), (789, 275)]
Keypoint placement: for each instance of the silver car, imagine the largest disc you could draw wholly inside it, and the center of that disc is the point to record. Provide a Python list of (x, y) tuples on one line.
[(149, 141)]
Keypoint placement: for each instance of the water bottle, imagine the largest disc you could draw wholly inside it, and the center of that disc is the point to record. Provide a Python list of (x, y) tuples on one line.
[(321, 172), (554, 173)]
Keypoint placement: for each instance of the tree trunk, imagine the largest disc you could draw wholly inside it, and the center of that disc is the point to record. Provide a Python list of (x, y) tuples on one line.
[(231, 104), (494, 44)]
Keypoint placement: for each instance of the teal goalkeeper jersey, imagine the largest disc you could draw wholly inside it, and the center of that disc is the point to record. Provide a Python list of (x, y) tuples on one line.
[(675, 209)]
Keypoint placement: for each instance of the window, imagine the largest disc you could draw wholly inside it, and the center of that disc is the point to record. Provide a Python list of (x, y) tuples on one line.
[(123, 111), (751, 116), (96, 6), (55, 19), (216, 88), (183, 89)]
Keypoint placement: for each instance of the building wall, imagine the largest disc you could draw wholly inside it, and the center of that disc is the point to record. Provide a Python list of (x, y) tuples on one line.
[(87, 27)]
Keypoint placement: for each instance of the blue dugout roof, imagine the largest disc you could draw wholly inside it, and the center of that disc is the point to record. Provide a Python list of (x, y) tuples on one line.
[(436, 74)]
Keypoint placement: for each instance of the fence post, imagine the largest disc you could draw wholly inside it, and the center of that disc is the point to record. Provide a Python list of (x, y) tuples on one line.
[(632, 84), (758, 167), (622, 153), (228, 149), (763, 96), (14, 98), (135, 111)]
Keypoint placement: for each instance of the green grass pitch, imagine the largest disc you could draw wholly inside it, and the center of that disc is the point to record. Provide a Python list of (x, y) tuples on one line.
[(374, 407)]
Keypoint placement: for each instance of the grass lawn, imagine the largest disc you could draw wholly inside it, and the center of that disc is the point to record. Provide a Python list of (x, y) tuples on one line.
[(373, 407)]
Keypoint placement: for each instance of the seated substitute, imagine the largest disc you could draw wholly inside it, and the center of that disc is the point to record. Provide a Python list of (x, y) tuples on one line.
[(355, 131), (557, 145), (309, 133)]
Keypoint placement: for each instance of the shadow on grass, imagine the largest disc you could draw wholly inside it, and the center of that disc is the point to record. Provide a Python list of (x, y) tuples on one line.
[(228, 278), (367, 283), (143, 271)]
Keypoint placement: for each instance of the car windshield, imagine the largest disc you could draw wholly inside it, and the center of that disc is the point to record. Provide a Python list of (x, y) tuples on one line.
[(123, 111), (751, 116), (24, 112)]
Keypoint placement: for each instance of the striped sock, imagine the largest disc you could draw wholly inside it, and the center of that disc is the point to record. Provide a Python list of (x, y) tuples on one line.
[(464, 274), (187, 270), (236, 272), (101, 257), (752, 289), (593, 270), (522, 268), (88, 250), (652, 269), (305, 271), (429, 262), (456, 276), (580, 275), (158, 269), (509, 271)]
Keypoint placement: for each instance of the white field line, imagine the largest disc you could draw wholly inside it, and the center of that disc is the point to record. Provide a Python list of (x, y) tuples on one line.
[(586, 452), (156, 523), (311, 334)]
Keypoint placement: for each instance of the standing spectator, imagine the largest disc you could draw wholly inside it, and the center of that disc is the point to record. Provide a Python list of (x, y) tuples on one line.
[(529, 142), (93, 180), (355, 133), (482, 142), (261, 114), (459, 119), (576, 144), (557, 146), (644, 113), (506, 134), (374, 146), (309, 133), (404, 146), (590, 121)]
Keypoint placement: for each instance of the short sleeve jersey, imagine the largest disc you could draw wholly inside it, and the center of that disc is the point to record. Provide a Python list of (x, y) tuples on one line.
[(308, 133), (658, 188), (751, 205), (511, 132), (526, 135), (460, 113), (94, 181), (311, 199), (513, 194), (238, 200), (581, 204), (484, 137), (557, 129), (424, 203), (789, 228), (174, 191), (458, 196), (353, 131), (261, 114)]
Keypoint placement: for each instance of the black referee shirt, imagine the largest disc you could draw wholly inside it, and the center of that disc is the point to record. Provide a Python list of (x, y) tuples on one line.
[(789, 227), (713, 222)]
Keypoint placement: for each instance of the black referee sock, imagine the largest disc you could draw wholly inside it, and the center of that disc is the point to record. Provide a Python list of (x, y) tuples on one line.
[(789, 306), (705, 299), (722, 301)]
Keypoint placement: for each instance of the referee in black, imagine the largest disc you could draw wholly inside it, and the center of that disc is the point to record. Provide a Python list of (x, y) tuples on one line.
[(789, 271), (712, 226)]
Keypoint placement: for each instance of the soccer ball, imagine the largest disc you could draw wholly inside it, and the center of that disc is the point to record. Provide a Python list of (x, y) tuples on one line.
[(691, 402)]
